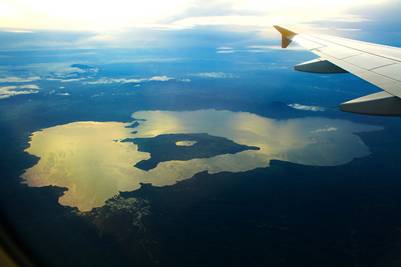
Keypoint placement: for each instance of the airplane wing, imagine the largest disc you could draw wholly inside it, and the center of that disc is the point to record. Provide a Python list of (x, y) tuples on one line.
[(379, 65)]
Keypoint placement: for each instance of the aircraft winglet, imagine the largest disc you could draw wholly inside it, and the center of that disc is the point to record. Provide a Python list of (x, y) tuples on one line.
[(286, 36)]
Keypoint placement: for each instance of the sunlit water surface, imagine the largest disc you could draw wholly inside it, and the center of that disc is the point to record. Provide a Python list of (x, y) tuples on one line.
[(89, 159)]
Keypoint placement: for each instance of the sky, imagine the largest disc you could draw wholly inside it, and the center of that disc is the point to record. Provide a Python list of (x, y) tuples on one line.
[(99, 22), (121, 14)]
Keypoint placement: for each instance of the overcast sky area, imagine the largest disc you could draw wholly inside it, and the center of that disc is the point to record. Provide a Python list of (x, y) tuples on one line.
[(28, 24)]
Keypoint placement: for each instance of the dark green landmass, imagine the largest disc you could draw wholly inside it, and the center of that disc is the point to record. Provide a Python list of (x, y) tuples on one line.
[(206, 146)]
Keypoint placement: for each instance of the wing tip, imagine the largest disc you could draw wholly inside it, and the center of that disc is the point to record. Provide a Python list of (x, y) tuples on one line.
[(286, 35)]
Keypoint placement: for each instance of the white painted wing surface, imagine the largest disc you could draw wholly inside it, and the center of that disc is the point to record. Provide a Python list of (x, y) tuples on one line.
[(378, 64)]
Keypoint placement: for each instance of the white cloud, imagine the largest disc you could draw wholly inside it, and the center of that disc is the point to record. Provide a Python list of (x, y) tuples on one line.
[(225, 51), (71, 80), (51, 70), (213, 75), (18, 31), (63, 94), (9, 91), (307, 108), (14, 79), (225, 48), (163, 78), (111, 81), (62, 80), (325, 130), (29, 86)]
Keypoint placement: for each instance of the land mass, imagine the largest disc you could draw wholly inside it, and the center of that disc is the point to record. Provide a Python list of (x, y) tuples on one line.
[(206, 146)]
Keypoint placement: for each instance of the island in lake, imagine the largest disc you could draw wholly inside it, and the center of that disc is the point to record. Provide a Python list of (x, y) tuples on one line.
[(95, 161)]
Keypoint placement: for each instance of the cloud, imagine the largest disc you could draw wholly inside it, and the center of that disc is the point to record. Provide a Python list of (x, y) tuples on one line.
[(29, 86), (63, 94), (163, 78), (160, 78), (51, 70), (66, 80), (71, 80), (62, 72), (306, 108), (225, 48), (17, 31), (111, 81), (9, 91), (225, 51), (13, 79), (40, 38), (256, 49), (214, 75), (325, 130), (122, 14), (381, 24), (127, 38)]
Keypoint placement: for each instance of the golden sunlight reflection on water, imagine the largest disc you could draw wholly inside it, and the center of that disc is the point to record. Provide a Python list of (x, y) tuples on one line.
[(89, 159)]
